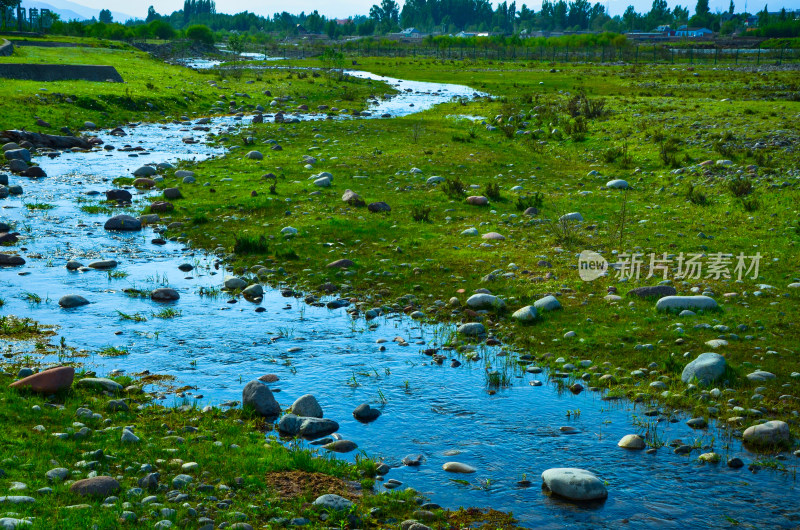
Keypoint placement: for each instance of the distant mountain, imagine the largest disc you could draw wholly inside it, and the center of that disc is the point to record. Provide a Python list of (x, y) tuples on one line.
[(72, 11)]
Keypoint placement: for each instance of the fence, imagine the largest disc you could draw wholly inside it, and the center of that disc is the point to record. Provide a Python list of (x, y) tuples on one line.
[(662, 53)]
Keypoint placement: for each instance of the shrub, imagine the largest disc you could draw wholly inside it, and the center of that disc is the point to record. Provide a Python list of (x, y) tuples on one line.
[(421, 213), (251, 245), (696, 197), (740, 187), (750, 204), (454, 188), (529, 201), (200, 33), (493, 191)]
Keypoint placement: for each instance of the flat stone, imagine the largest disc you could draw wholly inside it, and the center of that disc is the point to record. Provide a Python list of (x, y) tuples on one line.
[(333, 502), (526, 314), (770, 434), (164, 294), (72, 300), (678, 303), (653, 291), (100, 382), (95, 487), (48, 381)]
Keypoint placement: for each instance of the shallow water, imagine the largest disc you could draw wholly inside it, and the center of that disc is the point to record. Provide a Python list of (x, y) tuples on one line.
[(440, 412)]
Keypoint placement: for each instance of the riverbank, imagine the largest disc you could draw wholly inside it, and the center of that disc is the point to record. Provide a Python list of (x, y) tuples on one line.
[(100, 452), (597, 345), (426, 254), (153, 90)]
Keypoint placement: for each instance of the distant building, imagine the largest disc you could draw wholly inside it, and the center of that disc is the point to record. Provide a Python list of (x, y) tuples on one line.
[(465, 35), (685, 31), (411, 33)]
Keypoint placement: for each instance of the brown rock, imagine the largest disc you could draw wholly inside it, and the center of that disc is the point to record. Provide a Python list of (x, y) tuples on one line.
[(95, 487), (377, 207), (477, 200), (161, 207), (143, 183), (269, 378), (48, 381)]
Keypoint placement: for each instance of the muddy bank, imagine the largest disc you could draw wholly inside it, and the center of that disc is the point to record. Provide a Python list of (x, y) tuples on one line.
[(6, 48), (60, 72)]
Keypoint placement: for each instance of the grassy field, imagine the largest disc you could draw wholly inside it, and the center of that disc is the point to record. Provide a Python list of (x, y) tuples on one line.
[(240, 472), (559, 133), (153, 90)]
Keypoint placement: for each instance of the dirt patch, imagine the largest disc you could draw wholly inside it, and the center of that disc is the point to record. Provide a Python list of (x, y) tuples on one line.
[(291, 484)]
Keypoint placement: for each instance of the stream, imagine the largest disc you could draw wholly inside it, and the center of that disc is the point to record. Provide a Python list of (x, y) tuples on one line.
[(443, 413)]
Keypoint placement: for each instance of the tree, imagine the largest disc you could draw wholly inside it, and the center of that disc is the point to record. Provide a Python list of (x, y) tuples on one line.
[(731, 7), (200, 33), (680, 14), (702, 8), (151, 15), (105, 16), (6, 6)]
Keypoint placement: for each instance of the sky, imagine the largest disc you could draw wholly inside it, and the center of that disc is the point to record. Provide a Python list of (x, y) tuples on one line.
[(345, 8)]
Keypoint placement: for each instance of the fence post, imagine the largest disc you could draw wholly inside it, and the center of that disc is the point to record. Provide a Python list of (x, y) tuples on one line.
[(737, 55), (637, 54), (716, 54), (780, 61), (758, 57)]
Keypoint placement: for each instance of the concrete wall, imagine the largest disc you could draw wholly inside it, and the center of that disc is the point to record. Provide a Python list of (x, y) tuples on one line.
[(59, 72), (6, 48)]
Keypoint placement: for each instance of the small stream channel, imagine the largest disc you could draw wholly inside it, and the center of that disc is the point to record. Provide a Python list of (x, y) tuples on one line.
[(443, 413)]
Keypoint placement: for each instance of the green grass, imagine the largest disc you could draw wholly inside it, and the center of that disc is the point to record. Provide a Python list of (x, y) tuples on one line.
[(229, 446), (167, 313), (39, 206), (152, 90), (664, 212)]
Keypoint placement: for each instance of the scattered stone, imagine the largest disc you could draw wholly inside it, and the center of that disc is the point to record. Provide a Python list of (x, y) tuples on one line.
[(526, 314), (458, 467), (378, 207), (548, 303), (49, 381), (259, 396), (653, 291), (574, 484), (364, 413), (72, 300), (307, 406), (124, 223), (333, 502), (632, 441), (769, 434), (95, 487), (485, 301), (707, 368), (677, 303), (164, 294)]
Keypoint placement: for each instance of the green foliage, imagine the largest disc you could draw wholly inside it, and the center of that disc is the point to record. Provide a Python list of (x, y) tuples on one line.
[(454, 188), (200, 33)]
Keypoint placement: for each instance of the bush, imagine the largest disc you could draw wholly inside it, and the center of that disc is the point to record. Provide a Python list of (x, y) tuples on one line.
[(421, 213), (251, 245), (696, 197), (740, 187), (493, 191), (750, 204), (529, 201), (668, 151), (454, 188), (200, 33)]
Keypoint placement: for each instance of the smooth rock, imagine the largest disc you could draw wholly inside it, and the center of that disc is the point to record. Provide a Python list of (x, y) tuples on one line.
[(574, 484)]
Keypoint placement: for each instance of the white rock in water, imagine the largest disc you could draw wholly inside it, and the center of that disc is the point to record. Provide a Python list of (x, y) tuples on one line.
[(677, 303), (574, 484), (458, 467), (631, 441), (233, 283)]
